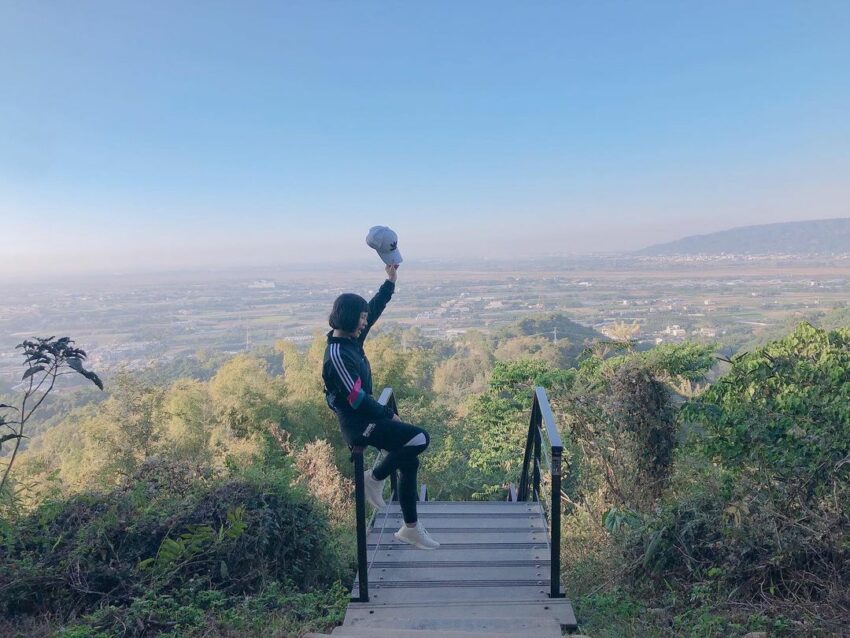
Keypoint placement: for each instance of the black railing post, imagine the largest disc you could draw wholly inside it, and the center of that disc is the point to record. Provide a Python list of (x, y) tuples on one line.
[(548, 420), (537, 422), (360, 509), (555, 515), (526, 460), (542, 423), (536, 468)]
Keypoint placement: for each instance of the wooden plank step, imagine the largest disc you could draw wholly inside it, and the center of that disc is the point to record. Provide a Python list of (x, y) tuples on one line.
[(509, 615)]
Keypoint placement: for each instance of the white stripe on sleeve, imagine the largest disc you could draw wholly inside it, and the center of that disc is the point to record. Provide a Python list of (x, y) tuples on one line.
[(341, 370)]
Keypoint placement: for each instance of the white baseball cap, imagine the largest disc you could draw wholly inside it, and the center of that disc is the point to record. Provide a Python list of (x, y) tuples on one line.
[(385, 241)]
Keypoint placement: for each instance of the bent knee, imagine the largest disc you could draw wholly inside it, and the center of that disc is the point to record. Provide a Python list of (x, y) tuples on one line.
[(420, 440)]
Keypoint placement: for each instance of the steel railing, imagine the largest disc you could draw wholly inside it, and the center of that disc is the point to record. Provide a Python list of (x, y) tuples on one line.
[(542, 423)]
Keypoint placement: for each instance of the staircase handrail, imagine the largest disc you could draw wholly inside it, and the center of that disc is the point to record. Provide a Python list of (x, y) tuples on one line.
[(387, 398), (542, 423)]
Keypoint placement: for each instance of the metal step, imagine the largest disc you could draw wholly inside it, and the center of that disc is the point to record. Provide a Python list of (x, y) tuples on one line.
[(504, 616), (435, 593), (465, 537), (468, 507), (459, 553), (550, 630), (490, 574), (466, 520)]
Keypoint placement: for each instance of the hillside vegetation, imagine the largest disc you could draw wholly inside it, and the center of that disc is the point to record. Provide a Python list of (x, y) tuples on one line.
[(222, 507)]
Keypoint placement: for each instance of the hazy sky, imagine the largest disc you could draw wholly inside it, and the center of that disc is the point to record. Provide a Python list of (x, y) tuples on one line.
[(167, 134)]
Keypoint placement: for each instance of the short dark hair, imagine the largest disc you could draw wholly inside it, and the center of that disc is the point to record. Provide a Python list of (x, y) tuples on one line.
[(346, 312)]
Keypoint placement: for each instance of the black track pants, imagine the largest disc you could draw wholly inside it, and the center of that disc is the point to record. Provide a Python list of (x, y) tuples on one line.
[(402, 443)]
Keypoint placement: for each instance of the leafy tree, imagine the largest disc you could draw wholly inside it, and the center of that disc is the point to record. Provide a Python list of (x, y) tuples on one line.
[(490, 436), (246, 396), (190, 421), (622, 331), (537, 347), (572, 337), (308, 417), (46, 359), (783, 408), (466, 371), (126, 430), (620, 415), (407, 370)]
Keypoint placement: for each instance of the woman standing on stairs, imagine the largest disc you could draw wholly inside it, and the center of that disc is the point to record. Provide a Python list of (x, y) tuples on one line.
[(362, 420)]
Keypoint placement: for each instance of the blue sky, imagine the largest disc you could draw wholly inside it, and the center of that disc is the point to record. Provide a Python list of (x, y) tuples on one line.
[(140, 135)]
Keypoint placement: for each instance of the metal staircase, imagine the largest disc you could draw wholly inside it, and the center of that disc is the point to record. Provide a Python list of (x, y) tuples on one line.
[(493, 572)]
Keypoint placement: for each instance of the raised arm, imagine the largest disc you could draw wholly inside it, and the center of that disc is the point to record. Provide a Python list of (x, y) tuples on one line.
[(380, 300)]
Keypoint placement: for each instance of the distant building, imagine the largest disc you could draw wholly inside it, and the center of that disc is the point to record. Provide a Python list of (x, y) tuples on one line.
[(262, 283), (675, 331)]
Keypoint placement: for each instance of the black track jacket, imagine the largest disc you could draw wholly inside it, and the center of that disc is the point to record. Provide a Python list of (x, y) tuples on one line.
[(347, 374)]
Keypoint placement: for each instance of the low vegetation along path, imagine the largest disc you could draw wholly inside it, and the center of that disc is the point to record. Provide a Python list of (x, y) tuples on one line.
[(489, 576)]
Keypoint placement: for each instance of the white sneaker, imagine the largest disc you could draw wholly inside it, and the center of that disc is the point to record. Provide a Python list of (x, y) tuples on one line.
[(417, 536), (428, 534), (374, 490)]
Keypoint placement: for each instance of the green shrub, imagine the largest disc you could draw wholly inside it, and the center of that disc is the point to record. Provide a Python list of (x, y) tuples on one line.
[(767, 512), (161, 532)]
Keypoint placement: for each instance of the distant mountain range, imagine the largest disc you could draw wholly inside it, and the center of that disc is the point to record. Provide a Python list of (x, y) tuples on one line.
[(824, 236)]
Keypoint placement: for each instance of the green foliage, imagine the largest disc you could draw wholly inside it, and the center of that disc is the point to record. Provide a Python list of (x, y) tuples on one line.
[(127, 429), (173, 554), (621, 418), (532, 347), (45, 360), (467, 369), (783, 408), (762, 503), (671, 363), (685, 361), (488, 442), (196, 529), (572, 337), (164, 530), (642, 416), (618, 518), (612, 614), (405, 369), (279, 610), (246, 396)]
